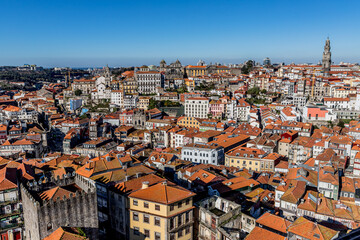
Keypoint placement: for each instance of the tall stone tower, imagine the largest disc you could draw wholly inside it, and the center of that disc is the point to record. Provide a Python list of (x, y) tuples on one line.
[(326, 61)]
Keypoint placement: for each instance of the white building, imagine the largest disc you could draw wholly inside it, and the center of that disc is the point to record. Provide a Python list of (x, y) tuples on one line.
[(299, 101), (243, 110), (203, 153), (337, 103), (197, 107), (289, 114), (117, 97), (149, 81), (130, 101)]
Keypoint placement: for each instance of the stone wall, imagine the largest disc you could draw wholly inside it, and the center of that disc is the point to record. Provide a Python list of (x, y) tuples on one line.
[(79, 210)]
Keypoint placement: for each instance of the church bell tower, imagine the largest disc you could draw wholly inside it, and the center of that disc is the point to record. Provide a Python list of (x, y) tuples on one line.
[(326, 61)]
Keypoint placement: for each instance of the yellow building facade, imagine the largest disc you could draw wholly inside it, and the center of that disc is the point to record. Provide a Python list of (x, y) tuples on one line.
[(189, 122), (144, 102), (251, 159), (161, 212), (193, 71)]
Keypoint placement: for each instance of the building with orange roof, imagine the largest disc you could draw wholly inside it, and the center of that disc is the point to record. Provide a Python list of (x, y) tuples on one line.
[(232, 186), (287, 196), (229, 141), (328, 182), (119, 214), (252, 159), (67, 233), (273, 223), (9, 197), (259, 233), (289, 114), (282, 167), (303, 228), (31, 147), (247, 129), (348, 188), (160, 160), (161, 210), (201, 179)]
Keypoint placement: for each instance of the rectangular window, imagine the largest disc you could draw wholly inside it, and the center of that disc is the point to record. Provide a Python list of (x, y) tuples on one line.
[(135, 202), (157, 207), (147, 233), (179, 204), (187, 216), (135, 216), (171, 207), (157, 236), (146, 205), (187, 201), (172, 223), (157, 221), (136, 231), (187, 230), (179, 220), (146, 218), (180, 233)]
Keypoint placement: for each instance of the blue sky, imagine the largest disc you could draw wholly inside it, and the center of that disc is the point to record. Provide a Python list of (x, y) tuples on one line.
[(80, 33)]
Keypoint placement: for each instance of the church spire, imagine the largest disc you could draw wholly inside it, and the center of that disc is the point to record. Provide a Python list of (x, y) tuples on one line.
[(326, 61)]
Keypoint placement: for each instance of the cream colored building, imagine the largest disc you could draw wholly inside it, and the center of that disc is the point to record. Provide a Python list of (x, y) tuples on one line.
[(161, 211)]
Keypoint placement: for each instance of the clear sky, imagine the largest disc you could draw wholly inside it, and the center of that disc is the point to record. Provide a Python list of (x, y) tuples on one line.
[(80, 33)]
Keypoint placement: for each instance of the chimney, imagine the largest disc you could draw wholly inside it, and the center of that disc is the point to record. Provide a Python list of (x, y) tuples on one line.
[(164, 183), (145, 184)]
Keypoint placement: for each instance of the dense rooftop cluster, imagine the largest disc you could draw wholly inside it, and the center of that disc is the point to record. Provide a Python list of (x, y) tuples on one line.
[(194, 152)]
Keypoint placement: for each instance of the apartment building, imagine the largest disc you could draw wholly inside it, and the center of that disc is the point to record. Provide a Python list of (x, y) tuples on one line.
[(203, 153), (161, 212), (148, 81), (252, 159), (197, 107), (116, 97)]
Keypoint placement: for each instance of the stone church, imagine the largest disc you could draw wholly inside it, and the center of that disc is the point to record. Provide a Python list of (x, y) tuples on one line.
[(172, 71)]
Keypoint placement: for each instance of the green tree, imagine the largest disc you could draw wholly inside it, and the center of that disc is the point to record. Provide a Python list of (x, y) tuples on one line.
[(248, 66), (331, 124), (253, 91), (152, 103), (341, 124), (78, 92), (83, 116)]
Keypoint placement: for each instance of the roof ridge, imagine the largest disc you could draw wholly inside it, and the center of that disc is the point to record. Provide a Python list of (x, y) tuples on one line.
[(166, 196)]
